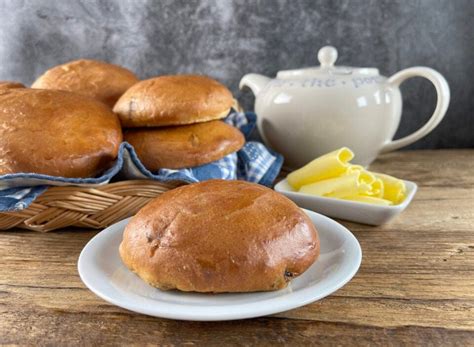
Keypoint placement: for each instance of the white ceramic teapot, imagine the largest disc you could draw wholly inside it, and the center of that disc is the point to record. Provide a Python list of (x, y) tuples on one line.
[(307, 112)]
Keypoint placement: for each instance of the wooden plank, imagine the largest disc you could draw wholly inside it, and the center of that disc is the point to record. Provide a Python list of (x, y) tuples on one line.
[(376, 310), (387, 312), (47, 327)]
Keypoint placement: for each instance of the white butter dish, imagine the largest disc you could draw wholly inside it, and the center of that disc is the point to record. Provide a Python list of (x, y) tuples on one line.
[(353, 211)]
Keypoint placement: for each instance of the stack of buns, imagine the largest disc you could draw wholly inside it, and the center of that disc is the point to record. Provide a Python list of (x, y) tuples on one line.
[(65, 124), (174, 121)]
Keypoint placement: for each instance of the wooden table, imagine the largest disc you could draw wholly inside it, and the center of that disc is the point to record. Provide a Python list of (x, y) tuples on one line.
[(415, 285)]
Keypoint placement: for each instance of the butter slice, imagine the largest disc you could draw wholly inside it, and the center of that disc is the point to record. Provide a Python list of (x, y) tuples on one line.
[(365, 176), (394, 188), (327, 166), (338, 187), (378, 189)]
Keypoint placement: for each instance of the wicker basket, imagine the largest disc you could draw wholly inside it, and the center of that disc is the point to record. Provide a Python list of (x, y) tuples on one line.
[(97, 208)]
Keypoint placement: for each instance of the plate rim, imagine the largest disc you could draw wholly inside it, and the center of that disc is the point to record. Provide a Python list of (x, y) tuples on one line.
[(267, 307)]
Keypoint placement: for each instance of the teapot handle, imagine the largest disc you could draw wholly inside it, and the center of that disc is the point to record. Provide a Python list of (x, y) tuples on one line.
[(443, 96)]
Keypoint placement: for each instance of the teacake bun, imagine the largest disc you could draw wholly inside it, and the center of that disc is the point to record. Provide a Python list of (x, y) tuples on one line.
[(56, 133), (220, 236), (102, 81), (173, 100), (184, 146)]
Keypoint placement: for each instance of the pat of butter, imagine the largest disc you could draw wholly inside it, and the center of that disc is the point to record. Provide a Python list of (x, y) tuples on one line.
[(378, 189), (394, 188), (338, 187), (332, 175), (365, 176), (328, 166)]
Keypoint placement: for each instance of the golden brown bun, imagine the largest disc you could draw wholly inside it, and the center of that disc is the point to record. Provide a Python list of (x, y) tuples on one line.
[(10, 85), (184, 146), (56, 133), (220, 236), (173, 100), (96, 79)]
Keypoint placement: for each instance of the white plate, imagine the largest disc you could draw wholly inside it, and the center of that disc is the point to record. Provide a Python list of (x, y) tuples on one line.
[(103, 272), (354, 211)]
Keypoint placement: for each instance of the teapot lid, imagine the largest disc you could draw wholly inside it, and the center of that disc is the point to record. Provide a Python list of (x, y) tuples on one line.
[(327, 56)]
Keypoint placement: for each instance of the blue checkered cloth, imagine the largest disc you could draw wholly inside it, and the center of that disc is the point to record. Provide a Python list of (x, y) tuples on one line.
[(254, 163)]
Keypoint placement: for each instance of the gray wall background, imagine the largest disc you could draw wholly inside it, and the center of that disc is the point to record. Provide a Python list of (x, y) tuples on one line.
[(226, 39)]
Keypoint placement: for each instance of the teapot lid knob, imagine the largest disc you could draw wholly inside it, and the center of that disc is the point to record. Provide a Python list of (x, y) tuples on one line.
[(327, 56)]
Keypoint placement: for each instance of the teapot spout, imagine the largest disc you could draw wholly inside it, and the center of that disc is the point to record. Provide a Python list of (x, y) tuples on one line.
[(254, 81)]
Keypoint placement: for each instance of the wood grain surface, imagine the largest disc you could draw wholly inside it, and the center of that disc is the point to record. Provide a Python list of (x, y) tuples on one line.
[(415, 285)]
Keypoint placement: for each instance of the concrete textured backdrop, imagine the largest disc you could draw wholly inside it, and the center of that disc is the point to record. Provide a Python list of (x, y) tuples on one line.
[(226, 39)]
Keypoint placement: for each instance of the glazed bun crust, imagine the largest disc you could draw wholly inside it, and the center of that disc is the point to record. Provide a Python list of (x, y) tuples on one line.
[(99, 80), (173, 100), (10, 85), (220, 236), (184, 146), (56, 133)]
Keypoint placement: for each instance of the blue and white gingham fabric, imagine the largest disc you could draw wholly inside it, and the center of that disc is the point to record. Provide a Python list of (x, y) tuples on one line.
[(254, 163)]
